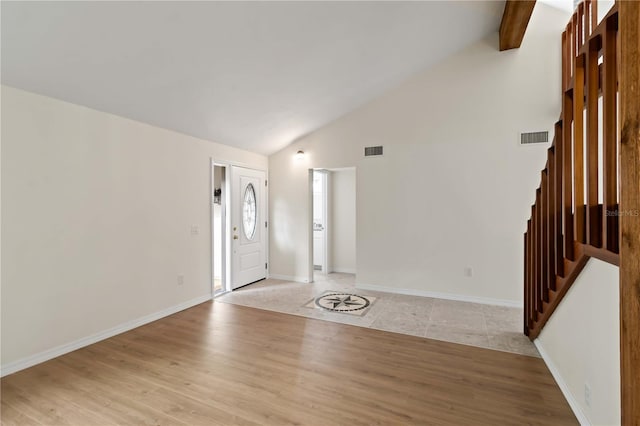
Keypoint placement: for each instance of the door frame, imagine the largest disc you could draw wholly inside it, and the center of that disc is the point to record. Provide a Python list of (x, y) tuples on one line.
[(326, 175), (224, 276), (330, 207), (226, 226), (310, 272), (325, 213)]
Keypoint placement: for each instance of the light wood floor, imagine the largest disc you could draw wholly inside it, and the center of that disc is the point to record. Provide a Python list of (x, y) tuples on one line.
[(224, 364)]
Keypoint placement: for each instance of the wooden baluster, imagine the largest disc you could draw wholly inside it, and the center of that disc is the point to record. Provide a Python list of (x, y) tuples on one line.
[(580, 29), (534, 263), (539, 256), (567, 124), (591, 17), (559, 263), (551, 218), (569, 53), (588, 28), (536, 257), (567, 183), (578, 150), (525, 318), (544, 237), (530, 232), (525, 326), (610, 134), (565, 62), (572, 53), (530, 269), (593, 219)]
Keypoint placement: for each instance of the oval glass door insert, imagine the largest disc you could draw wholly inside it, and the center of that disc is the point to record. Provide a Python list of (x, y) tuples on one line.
[(249, 218)]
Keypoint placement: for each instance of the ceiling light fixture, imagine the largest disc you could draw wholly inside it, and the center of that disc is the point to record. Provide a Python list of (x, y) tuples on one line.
[(300, 155)]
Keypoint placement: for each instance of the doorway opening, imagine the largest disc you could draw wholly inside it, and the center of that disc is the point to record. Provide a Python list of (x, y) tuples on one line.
[(219, 229), (333, 223), (238, 227), (320, 221)]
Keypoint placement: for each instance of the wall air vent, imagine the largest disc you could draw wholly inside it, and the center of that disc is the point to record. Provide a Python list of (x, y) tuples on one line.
[(372, 150), (534, 137)]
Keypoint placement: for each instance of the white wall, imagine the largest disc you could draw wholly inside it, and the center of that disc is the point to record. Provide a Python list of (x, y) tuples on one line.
[(97, 213), (453, 188), (581, 344), (217, 241), (343, 220)]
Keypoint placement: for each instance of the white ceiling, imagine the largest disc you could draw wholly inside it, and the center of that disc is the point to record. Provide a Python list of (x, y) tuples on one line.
[(256, 75), (566, 5)]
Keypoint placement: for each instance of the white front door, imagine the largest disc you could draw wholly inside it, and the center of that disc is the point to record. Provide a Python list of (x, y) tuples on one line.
[(248, 226)]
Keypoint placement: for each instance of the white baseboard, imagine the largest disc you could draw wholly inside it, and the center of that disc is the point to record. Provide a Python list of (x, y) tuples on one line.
[(436, 295), (298, 279), (343, 270), (573, 403), (38, 358)]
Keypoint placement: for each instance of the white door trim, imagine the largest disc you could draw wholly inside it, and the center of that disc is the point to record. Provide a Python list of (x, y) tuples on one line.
[(326, 268), (327, 221), (224, 226), (212, 186), (310, 225)]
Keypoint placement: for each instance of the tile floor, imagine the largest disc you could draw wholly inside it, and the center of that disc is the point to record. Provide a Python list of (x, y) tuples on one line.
[(487, 326)]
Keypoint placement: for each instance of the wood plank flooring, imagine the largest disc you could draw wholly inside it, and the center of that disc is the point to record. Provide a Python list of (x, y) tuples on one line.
[(224, 364)]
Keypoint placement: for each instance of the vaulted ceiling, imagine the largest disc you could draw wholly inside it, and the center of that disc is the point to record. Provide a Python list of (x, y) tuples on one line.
[(256, 75)]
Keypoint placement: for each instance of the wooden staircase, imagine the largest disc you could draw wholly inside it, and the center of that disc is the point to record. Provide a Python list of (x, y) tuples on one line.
[(575, 215), (588, 202)]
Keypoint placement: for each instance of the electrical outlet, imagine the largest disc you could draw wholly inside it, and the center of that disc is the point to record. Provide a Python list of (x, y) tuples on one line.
[(180, 279), (195, 230), (468, 271), (587, 394)]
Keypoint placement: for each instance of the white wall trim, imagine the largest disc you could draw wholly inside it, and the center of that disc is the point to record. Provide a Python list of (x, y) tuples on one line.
[(298, 279), (447, 296), (38, 358), (573, 403), (343, 270)]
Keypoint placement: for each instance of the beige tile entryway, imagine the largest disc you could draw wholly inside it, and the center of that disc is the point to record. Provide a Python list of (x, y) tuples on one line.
[(487, 326)]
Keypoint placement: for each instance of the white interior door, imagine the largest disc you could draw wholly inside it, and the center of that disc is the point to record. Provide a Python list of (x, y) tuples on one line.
[(248, 226)]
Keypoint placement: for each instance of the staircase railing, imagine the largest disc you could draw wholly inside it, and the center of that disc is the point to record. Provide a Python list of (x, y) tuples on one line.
[(575, 215)]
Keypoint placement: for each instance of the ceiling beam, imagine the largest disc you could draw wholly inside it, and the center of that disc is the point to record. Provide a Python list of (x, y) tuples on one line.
[(514, 23)]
